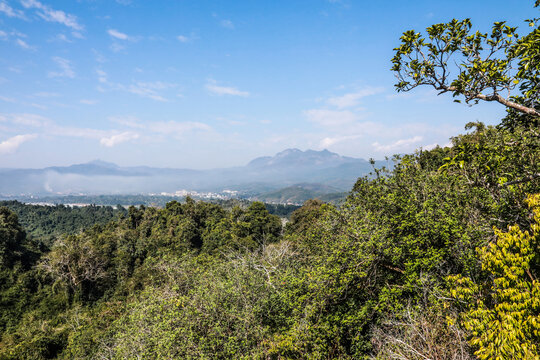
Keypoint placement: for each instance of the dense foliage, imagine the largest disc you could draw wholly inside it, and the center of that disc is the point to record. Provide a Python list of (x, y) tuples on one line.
[(47, 222), (435, 258)]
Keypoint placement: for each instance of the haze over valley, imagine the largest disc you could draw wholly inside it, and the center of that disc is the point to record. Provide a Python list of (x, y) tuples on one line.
[(314, 173)]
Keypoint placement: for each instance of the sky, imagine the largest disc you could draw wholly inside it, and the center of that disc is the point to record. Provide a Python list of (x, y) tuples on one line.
[(205, 84)]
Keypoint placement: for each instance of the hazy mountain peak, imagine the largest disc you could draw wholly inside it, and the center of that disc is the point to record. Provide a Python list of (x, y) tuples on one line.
[(288, 152), (288, 167), (298, 158), (101, 163)]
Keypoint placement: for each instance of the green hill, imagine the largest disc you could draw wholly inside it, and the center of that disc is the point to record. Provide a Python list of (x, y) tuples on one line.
[(298, 194)]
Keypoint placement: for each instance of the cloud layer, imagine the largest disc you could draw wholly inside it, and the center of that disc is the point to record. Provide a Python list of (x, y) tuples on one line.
[(51, 15), (12, 144), (213, 88), (118, 139)]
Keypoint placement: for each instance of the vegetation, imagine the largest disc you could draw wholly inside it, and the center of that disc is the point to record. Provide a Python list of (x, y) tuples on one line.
[(435, 258), (47, 222), (96, 202), (300, 193), (498, 66), (504, 312)]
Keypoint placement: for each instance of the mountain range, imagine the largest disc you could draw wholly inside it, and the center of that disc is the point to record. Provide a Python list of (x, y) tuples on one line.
[(325, 169)]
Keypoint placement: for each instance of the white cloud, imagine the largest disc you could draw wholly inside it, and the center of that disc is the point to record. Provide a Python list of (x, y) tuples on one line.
[(228, 24), (183, 38), (225, 90), (403, 144), (434, 145), (28, 119), (51, 15), (329, 141), (99, 56), (129, 121), (38, 106), (187, 38), (48, 126), (116, 47), (118, 139), (23, 44), (77, 34), (3, 35), (107, 138), (9, 11), (149, 89), (15, 101), (176, 128), (7, 99), (331, 118), (18, 34), (86, 133), (117, 34), (352, 99), (12, 144), (420, 96), (348, 128), (66, 70), (430, 146), (62, 38), (102, 76)]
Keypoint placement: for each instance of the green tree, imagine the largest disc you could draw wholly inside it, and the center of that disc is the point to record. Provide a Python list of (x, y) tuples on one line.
[(498, 66), (82, 262), (503, 314), (305, 217), (12, 237)]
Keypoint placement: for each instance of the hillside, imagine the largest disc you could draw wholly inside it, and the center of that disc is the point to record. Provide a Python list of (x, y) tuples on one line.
[(299, 193), (46, 223)]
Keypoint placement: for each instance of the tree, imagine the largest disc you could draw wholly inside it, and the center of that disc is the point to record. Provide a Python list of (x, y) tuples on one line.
[(81, 261), (305, 217), (498, 66), (11, 237), (503, 315)]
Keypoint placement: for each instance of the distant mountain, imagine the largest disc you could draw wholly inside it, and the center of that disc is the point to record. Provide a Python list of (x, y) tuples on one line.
[(294, 166), (304, 159), (261, 175)]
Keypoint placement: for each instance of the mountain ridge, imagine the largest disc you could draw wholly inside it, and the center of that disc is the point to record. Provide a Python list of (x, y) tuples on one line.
[(285, 168)]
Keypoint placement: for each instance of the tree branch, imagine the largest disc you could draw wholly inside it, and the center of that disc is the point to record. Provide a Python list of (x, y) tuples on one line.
[(525, 179), (495, 97), (498, 98)]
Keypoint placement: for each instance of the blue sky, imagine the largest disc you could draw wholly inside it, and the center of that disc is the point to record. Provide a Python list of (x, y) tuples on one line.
[(203, 84)]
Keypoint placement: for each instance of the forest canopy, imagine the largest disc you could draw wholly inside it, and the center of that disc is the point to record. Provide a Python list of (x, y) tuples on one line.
[(435, 258)]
